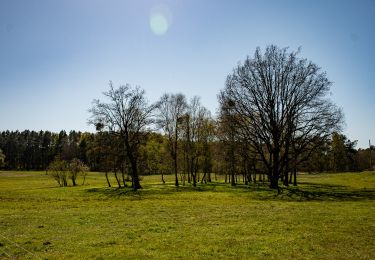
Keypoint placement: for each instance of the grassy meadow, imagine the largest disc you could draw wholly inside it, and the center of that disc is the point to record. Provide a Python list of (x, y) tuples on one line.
[(328, 216)]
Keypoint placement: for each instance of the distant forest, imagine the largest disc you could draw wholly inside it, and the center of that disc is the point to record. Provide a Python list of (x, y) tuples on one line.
[(30, 150)]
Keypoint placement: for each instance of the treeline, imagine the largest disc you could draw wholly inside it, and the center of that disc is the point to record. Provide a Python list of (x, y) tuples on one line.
[(275, 118), (30, 150)]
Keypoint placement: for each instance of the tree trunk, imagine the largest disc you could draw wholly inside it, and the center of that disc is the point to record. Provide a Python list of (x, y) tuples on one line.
[(106, 176), (194, 178), (295, 176), (204, 178), (135, 178), (233, 180), (74, 181), (117, 179), (175, 170), (274, 182), (286, 178), (134, 169)]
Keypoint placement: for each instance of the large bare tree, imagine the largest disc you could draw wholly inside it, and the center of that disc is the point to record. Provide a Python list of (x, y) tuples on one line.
[(279, 100), (126, 114)]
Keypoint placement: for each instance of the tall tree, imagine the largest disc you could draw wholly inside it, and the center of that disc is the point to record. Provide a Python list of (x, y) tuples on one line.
[(193, 122), (279, 99), (171, 109), (126, 114)]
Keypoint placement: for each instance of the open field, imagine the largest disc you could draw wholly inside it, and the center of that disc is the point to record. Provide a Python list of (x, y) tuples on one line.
[(330, 216)]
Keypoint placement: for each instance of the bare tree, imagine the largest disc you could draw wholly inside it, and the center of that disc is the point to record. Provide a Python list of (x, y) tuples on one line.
[(171, 109), (206, 137), (279, 99), (127, 115), (228, 137), (193, 122)]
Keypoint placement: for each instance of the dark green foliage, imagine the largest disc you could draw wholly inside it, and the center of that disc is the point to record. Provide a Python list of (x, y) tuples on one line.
[(30, 150)]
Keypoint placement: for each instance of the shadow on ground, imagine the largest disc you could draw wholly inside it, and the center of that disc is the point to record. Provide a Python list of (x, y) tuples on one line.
[(327, 192), (156, 190), (259, 191)]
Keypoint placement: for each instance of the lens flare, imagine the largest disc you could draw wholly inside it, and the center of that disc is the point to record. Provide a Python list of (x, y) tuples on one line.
[(160, 19)]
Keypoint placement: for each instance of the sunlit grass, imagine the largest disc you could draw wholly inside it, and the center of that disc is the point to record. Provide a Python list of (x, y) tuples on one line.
[(328, 216)]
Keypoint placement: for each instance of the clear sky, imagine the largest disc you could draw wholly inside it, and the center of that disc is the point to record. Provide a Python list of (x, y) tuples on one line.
[(57, 56)]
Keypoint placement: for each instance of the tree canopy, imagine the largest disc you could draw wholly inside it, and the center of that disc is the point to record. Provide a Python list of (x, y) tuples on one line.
[(280, 106)]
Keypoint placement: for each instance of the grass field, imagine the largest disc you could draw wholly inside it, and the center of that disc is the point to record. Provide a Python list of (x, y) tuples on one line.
[(330, 216)]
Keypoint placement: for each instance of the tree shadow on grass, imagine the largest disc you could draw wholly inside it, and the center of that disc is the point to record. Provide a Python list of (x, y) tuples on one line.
[(259, 191), (326, 192), (152, 190)]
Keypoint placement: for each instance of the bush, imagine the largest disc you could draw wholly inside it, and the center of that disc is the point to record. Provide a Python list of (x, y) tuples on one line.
[(62, 170)]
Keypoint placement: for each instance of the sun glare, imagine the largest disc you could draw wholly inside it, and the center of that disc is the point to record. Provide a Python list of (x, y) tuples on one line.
[(160, 19)]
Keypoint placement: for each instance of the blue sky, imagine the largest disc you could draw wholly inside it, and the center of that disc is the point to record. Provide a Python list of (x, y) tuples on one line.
[(57, 56)]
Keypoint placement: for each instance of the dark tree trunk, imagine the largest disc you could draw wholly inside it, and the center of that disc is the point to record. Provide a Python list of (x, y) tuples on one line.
[(106, 177), (133, 165), (123, 178), (274, 182), (135, 177), (118, 180), (204, 178), (232, 180), (175, 171), (175, 154), (295, 176), (286, 178), (194, 177), (74, 181)]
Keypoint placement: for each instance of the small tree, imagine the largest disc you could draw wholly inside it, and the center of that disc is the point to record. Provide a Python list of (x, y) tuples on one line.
[(77, 167), (59, 171)]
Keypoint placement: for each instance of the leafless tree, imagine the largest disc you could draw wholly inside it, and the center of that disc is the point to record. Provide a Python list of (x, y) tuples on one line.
[(280, 99), (127, 115), (193, 122), (171, 109)]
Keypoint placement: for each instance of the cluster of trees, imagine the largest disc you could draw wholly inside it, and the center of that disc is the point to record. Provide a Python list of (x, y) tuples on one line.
[(275, 118), (62, 170)]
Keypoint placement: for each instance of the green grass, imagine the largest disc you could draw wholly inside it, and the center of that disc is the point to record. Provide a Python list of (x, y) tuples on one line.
[(330, 216)]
